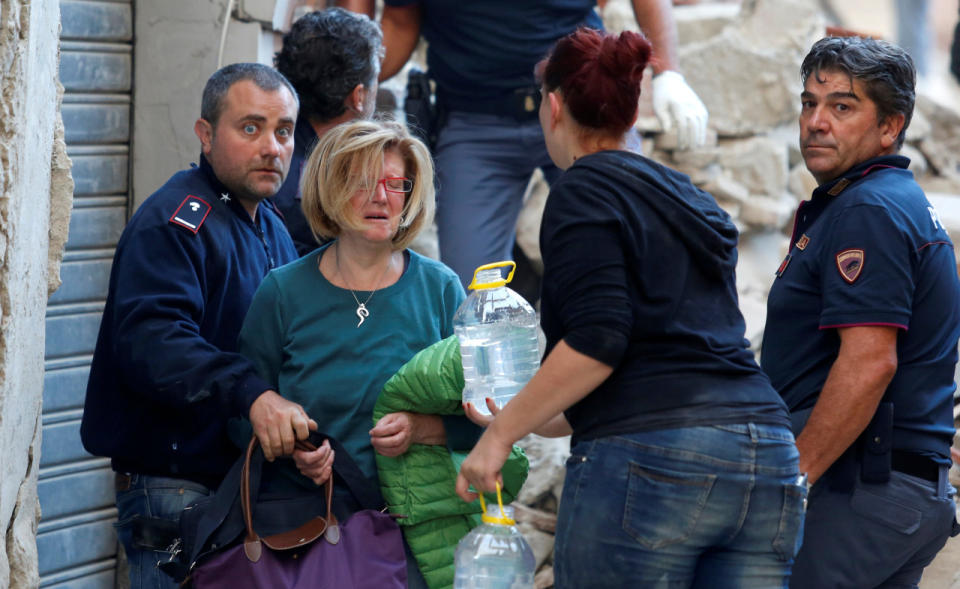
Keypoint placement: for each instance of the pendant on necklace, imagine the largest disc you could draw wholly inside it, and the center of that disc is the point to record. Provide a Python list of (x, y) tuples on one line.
[(362, 313)]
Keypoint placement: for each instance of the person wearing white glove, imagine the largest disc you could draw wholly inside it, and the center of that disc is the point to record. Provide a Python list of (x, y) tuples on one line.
[(677, 105), (481, 57)]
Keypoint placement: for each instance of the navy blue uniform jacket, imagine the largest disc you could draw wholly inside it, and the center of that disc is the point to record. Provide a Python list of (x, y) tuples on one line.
[(166, 374)]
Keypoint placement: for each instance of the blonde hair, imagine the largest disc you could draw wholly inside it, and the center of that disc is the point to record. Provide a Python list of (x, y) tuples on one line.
[(343, 162)]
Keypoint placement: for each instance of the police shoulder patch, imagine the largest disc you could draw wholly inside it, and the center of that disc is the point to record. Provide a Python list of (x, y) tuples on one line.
[(191, 213), (850, 264)]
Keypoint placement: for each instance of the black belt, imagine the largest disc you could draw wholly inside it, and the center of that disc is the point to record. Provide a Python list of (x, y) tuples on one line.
[(915, 464), (522, 104)]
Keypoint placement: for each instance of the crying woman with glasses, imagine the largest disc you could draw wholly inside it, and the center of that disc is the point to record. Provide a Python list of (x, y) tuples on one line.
[(329, 329)]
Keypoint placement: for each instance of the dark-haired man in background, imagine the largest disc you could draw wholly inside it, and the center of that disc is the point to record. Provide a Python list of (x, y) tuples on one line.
[(166, 375), (862, 328), (332, 58)]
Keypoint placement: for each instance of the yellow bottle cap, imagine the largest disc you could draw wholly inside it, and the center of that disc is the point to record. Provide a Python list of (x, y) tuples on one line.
[(494, 284)]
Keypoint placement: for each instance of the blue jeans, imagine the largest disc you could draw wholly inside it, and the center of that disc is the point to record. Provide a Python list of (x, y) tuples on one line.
[(484, 163), (877, 535), (159, 497), (707, 507)]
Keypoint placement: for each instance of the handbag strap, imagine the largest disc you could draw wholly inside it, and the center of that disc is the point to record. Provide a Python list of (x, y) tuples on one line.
[(300, 536), (363, 490)]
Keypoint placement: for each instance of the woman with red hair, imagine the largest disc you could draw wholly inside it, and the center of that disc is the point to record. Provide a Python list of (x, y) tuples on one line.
[(683, 470)]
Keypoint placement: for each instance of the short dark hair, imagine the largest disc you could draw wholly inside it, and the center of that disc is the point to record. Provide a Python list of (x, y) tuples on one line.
[(886, 70), (325, 55), (265, 77)]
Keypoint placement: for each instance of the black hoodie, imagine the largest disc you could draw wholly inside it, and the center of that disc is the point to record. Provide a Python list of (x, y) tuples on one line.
[(639, 273)]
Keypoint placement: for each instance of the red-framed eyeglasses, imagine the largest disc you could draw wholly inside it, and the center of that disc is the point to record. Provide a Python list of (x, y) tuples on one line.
[(397, 185)]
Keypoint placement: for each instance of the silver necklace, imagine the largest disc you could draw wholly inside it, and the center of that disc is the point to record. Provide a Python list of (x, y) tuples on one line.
[(362, 311)]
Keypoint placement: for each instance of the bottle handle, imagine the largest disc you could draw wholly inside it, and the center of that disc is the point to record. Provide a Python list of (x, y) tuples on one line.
[(489, 519), (473, 284)]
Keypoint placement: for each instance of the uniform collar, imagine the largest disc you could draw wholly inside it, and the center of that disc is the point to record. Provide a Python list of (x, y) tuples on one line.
[(858, 172), (221, 193)]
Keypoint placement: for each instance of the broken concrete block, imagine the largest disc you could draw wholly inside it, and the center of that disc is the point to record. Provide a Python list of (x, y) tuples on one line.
[(801, 183), (766, 212), (942, 146), (696, 22), (918, 163), (540, 542), (669, 140), (726, 190), (919, 128), (788, 134), (528, 223), (758, 163), (762, 52), (548, 457)]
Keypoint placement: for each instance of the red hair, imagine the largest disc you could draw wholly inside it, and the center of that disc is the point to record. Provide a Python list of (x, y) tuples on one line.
[(599, 76)]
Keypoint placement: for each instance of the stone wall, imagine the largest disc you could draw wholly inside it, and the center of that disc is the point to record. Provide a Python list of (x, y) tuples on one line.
[(35, 194)]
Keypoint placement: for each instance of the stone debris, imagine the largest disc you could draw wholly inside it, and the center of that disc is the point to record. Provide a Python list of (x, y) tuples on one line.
[(544, 578)]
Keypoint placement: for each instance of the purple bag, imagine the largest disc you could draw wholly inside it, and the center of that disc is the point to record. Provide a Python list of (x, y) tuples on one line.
[(365, 552)]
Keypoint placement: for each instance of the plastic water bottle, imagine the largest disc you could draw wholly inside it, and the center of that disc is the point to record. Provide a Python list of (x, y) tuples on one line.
[(497, 330), (494, 555)]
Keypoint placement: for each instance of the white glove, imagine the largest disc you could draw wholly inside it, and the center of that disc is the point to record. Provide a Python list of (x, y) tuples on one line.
[(675, 102)]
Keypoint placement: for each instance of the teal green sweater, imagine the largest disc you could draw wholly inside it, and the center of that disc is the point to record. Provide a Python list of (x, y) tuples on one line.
[(301, 334)]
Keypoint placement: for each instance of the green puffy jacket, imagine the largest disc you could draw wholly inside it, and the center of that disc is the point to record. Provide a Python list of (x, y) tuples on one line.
[(420, 483)]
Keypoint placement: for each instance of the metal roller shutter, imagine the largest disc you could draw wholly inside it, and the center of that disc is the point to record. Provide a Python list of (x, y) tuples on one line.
[(76, 541)]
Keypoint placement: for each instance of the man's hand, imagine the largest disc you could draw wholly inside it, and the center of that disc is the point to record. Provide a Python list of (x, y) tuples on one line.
[(676, 104), (278, 424), (316, 465), (395, 432)]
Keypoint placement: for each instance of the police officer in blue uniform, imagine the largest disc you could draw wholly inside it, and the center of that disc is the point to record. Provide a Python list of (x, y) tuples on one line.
[(862, 327), (166, 375)]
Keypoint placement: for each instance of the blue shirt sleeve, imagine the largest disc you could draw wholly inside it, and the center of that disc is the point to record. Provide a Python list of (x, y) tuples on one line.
[(585, 274), (866, 270), (158, 306)]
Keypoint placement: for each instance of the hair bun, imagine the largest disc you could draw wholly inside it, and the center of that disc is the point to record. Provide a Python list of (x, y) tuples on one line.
[(599, 76), (625, 56)]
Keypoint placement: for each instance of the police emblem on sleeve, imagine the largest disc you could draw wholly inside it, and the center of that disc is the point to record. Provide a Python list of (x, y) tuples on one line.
[(191, 213), (850, 264)]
